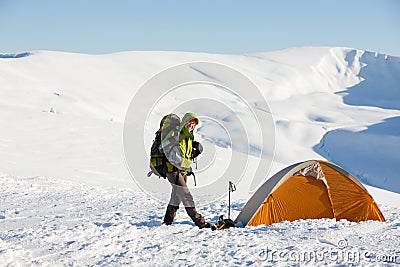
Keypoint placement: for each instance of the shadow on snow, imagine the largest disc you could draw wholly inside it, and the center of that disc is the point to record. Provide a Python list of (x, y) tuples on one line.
[(371, 155)]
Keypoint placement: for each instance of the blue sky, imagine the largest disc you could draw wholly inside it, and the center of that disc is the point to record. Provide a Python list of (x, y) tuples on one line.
[(219, 26)]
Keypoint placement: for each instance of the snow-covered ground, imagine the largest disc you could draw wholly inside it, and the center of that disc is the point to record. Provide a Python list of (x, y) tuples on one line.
[(67, 196), (48, 221)]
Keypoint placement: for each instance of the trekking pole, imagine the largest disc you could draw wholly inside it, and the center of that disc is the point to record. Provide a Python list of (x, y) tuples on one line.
[(232, 188)]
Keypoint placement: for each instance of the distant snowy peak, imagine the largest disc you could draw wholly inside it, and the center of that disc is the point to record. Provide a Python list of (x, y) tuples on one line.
[(14, 55), (88, 80)]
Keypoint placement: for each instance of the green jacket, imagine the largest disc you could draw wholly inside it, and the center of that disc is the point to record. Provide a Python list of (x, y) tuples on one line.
[(179, 153)]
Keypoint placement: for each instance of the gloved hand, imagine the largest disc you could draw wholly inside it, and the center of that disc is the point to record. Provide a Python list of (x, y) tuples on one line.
[(197, 149)]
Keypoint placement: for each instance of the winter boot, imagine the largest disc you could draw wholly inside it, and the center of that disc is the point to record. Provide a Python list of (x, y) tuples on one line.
[(170, 214)]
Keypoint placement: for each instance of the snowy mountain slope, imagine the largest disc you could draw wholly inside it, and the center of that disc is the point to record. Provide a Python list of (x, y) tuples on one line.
[(52, 103), (67, 196)]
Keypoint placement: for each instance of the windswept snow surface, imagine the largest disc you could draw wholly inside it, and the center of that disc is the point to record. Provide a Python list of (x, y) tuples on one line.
[(67, 196), (51, 222)]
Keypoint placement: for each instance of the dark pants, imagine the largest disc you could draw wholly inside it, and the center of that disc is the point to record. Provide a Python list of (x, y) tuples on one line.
[(181, 194)]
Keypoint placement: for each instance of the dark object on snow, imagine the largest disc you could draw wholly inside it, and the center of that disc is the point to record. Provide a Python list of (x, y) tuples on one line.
[(224, 223)]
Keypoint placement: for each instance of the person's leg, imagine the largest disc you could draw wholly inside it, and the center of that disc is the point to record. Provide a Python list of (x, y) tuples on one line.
[(187, 200), (174, 201)]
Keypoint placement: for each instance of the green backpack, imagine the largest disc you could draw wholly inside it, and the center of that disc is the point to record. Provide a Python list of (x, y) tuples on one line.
[(158, 161)]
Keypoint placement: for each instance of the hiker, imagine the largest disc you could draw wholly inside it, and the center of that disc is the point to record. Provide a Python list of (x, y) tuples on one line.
[(179, 155)]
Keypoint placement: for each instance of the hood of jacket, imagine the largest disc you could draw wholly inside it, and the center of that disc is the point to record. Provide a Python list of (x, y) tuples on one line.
[(188, 116)]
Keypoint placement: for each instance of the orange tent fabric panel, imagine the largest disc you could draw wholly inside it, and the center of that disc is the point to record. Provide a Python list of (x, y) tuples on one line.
[(349, 201), (299, 197)]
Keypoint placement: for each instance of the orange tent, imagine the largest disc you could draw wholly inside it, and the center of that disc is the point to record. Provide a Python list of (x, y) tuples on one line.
[(310, 190)]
